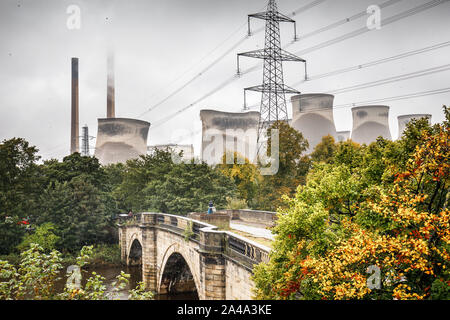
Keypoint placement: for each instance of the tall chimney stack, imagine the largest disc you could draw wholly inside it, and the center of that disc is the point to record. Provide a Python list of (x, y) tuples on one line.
[(74, 133), (110, 103)]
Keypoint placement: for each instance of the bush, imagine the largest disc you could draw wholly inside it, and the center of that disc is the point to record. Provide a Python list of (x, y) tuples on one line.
[(43, 236)]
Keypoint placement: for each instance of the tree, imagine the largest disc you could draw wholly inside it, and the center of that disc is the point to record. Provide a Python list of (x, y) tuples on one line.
[(245, 175), (73, 166), (188, 187), (396, 220), (44, 236), (156, 183), (77, 209), (18, 189), (324, 151), (293, 167), (136, 174)]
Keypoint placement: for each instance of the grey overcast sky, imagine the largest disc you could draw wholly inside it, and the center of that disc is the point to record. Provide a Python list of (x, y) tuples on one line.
[(160, 45)]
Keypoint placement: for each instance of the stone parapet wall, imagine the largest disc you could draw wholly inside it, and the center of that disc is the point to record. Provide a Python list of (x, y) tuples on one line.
[(266, 218), (221, 220)]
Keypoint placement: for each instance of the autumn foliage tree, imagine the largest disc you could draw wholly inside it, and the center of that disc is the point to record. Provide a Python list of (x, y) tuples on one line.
[(244, 174), (405, 248)]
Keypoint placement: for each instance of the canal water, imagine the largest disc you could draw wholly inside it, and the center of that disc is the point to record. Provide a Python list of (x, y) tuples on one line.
[(111, 272)]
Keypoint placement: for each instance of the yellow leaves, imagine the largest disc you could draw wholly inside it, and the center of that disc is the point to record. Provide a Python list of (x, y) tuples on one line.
[(401, 293)]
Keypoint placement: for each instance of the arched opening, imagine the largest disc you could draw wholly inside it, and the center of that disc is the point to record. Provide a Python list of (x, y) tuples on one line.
[(135, 256), (177, 279)]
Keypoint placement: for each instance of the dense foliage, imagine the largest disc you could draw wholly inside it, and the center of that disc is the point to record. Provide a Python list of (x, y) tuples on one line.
[(367, 209), (36, 275), (155, 183), (71, 203)]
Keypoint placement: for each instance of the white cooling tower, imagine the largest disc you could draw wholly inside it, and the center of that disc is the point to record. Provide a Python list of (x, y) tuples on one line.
[(404, 120), (120, 139), (369, 123), (224, 131), (312, 115), (342, 136)]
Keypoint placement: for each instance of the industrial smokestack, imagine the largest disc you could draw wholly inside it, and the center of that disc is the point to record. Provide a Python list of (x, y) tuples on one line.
[(74, 132), (404, 120), (110, 100), (369, 123)]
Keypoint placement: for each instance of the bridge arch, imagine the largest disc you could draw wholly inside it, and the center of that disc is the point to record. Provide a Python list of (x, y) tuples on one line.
[(177, 266), (134, 251)]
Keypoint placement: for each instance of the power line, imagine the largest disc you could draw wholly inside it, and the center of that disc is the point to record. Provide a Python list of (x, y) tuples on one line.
[(360, 31), (376, 62), (346, 20), (176, 79), (210, 93), (363, 30), (398, 78), (390, 99), (375, 101), (234, 46), (395, 98), (195, 77), (387, 21)]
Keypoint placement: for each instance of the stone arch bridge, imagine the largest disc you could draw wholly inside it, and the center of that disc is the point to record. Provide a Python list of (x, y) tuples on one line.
[(179, 254)]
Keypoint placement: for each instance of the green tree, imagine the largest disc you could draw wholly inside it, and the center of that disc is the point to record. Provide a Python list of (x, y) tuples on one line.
[(18, 189), (245, 175), (77, 209), (324, 151), (135, 176), (73, 166), (293, 167), (155, 183), (188, 187)]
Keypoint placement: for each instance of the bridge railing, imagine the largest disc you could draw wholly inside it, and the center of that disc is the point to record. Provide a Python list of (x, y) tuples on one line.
[(246, 251), (126, 219)]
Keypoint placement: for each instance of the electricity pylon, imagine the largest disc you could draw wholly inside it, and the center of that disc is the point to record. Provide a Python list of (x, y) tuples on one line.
[(273, 101)]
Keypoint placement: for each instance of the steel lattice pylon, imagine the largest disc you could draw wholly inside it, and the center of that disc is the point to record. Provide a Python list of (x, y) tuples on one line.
[(273, 99)]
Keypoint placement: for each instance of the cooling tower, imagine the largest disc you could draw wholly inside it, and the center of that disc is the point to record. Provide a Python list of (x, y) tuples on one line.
[(312, 115), (404, 120), (74, 122), (342, 136), (120, 139), (224, 131), (369, 123)]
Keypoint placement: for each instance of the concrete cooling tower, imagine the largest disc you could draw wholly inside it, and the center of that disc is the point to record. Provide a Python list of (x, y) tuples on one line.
[(404, 120), (224, 131), (342, 136), (312, 115), (369, 123), (120, 139)]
